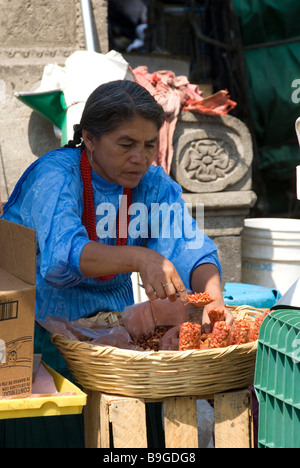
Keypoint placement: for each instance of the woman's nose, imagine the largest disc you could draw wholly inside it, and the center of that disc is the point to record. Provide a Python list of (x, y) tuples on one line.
[(138, 155)]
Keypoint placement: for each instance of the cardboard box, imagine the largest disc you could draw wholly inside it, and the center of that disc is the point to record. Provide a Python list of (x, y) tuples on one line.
[(17, 308)]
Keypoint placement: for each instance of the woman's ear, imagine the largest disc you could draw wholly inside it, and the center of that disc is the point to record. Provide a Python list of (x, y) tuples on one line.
[(88, 139)]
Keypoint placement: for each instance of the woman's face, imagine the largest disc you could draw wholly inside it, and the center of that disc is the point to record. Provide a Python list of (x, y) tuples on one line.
[(124, 155)]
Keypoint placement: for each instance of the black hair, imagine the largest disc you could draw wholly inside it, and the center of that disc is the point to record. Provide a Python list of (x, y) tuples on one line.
[(113, 103)]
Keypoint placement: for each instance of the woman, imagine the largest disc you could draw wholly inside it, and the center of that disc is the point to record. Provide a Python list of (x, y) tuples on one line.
[(61, 193), (65, 196)]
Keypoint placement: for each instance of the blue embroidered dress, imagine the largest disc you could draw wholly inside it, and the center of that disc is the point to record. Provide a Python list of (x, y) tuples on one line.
[(48, 199)]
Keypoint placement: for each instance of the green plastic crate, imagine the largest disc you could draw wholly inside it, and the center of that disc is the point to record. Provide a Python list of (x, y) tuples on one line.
[(277, 380)]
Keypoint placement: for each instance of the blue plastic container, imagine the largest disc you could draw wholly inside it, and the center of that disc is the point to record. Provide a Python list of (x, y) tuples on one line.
[(237, 294)]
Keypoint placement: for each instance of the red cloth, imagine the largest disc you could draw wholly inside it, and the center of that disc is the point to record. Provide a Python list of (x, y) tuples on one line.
[(176, 93)]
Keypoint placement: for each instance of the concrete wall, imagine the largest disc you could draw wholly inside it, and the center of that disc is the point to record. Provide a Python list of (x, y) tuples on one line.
[(34, 33)]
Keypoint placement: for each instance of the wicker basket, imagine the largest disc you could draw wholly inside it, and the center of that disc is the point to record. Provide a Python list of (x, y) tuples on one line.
[(156, 375)]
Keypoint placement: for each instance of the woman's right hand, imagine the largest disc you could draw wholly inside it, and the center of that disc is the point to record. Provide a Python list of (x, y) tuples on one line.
[(160, 278)]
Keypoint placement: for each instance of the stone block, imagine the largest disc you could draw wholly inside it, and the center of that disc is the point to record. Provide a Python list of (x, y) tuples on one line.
[(230, 257), (212, 153)]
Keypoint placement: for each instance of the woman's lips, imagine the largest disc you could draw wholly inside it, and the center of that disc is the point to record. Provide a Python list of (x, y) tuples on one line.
[(134, 173)]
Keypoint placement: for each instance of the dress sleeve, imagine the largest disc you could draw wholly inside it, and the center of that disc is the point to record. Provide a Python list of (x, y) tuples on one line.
[(175, 234), (54, 208)]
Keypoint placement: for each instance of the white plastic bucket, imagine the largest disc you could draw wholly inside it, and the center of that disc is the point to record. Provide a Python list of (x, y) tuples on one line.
[(271, 252)]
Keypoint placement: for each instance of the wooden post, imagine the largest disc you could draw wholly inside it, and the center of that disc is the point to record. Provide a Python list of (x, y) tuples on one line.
[(128, 418), (233, 419), (126, 415), (92, 420), (180, 417)]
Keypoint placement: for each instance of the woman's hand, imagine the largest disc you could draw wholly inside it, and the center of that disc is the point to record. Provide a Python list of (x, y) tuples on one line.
[(206, 278), (158, 274), (160, 278), (206, 325)]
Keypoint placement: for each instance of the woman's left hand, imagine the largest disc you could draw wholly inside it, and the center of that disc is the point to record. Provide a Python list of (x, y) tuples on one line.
[(206, 278), (206, 324)]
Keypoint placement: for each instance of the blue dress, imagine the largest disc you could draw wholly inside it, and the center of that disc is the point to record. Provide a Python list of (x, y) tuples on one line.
[(48, 199)]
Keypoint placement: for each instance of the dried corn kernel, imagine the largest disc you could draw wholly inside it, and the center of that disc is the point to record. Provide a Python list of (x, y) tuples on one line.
[(220, 337), (200, 299), (190, 336), (216, 315), (240, 332), (255, 327)]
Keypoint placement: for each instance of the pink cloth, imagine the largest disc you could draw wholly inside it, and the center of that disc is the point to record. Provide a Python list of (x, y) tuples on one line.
[(174, 94), (43, 382)]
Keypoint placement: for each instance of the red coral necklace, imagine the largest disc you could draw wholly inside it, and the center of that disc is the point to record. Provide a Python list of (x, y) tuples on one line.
[(88, 215)]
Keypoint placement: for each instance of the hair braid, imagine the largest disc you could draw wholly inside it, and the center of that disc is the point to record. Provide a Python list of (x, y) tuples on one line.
[(77, 137)]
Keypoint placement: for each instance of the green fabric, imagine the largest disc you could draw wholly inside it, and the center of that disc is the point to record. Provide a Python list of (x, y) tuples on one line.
[(280, 162), (271, 71), (268, 20), (51, 105)]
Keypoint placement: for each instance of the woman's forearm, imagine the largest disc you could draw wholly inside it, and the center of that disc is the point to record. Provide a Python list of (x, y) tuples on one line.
[(206, 277), (100, 259)]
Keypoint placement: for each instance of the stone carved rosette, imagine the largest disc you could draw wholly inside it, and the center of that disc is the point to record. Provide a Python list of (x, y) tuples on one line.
[(212, 154)]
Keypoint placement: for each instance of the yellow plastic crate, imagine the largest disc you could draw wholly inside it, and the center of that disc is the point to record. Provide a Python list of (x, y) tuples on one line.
[(46, 405)]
